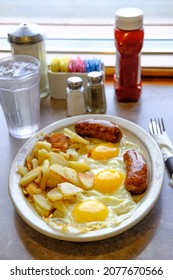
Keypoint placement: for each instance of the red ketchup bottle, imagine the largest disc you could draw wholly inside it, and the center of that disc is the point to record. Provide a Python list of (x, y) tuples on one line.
[(129, 36)]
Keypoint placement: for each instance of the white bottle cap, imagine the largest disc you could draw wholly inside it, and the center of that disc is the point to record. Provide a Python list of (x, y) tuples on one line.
[(129, 19)]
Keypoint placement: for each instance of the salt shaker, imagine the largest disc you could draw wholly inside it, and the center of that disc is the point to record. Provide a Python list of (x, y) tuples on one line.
[(95, 97), (29, 39), (75, 96)]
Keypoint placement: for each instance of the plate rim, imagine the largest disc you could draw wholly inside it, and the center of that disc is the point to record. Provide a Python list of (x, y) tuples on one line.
[(156, 162)]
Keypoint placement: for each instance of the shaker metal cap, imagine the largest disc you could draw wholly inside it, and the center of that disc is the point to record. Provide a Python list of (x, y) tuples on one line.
[(74, 82), (26, 34), (95, 77)]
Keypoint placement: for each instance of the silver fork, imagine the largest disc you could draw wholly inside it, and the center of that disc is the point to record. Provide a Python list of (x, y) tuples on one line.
[(156, 126), (158, 131)]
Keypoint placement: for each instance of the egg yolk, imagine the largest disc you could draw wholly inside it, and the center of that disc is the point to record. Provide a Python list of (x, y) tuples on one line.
[(108, 181), (104, 151), (90, 211)]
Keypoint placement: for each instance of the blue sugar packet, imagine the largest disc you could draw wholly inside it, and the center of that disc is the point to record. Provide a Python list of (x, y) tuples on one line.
[(92, 65)]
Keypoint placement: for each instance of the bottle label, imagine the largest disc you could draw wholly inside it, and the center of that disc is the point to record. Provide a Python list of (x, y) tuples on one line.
[(128, 70), (117, 70), (139, 69)]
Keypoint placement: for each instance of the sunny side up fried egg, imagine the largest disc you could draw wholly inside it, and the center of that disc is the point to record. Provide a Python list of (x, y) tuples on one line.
[(107, 203)]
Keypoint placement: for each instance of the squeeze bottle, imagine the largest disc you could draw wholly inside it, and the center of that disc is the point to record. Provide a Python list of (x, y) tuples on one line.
[(129, 36)]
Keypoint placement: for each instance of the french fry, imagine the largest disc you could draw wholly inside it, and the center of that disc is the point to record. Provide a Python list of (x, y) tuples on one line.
[(37, 180), (34, 163), (64, 155), (45, 174), (42, 155), (31, 175), (33, 189), (41, 145), (29, 162), (22, 170), (75, 137)]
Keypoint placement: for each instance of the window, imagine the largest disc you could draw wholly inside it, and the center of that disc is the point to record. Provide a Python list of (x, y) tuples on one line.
[(86, 27), (155, 11)]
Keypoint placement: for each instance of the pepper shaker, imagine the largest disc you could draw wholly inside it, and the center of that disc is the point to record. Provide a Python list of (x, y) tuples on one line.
[(75, 96), (29, 39), (95, 97)]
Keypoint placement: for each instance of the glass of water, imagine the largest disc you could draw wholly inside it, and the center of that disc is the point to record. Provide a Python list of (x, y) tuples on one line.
[(20, 94)]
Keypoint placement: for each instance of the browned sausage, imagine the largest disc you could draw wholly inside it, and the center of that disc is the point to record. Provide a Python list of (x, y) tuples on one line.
[(100, 129), (136, 180)]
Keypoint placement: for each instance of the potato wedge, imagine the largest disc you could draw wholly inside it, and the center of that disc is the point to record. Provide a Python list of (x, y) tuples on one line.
[(57, 171), (87, 180), (72, 153), (53, 182), (72, 176), (43, 205), (42, 212), (68, 190), (55, 158), (79, 166), (61, 209), (54, 194)]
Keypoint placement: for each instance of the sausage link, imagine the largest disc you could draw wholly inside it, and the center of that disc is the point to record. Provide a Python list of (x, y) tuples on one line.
[(100, 129), (136, 180)]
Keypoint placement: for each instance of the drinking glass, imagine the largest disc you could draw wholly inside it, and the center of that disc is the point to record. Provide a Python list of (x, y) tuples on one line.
[(20, 94)]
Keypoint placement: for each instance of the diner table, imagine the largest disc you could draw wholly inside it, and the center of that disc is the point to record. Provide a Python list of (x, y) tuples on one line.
[(151, 238)]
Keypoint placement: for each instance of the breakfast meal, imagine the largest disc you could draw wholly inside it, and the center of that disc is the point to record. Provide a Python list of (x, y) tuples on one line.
[(84, 177)]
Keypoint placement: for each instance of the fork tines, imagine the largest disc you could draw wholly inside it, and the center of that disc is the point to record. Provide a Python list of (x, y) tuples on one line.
[(156, 126)]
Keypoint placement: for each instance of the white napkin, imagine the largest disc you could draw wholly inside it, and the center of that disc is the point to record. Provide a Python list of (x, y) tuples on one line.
[(165, 144), (166, 148)]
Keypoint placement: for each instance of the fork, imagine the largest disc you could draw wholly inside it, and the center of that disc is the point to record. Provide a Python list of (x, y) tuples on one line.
[(156, 126), (158, 131)]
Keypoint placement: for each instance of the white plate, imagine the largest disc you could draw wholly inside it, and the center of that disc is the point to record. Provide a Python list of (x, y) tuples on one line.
[(136, 134)]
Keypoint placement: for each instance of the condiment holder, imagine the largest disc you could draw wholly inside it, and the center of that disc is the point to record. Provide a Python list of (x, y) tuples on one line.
[(58, 82)]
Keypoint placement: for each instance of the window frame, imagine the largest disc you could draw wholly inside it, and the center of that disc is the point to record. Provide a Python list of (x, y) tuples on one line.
[(80, 39)]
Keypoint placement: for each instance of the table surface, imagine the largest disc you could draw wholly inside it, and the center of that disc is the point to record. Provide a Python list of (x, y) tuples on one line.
[(151, 238)]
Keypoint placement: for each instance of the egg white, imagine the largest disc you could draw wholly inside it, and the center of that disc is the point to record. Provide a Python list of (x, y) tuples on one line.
[(120, 203)]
